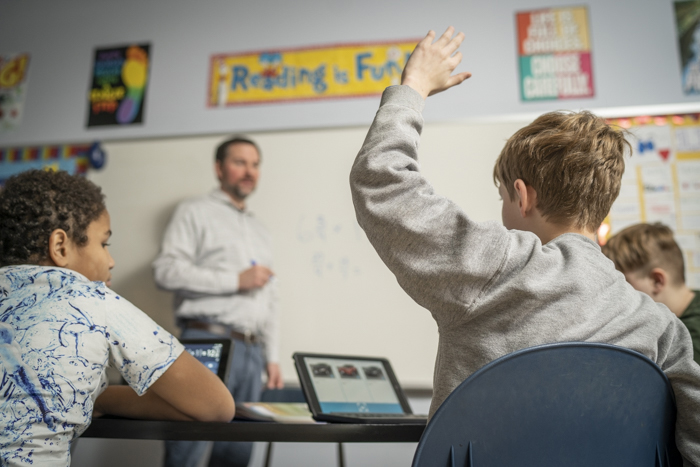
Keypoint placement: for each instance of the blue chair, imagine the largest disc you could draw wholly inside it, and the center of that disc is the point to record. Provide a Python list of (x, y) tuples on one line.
[(567, 404)]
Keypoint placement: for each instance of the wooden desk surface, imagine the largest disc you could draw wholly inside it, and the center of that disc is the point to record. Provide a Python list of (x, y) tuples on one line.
[(252, 431)]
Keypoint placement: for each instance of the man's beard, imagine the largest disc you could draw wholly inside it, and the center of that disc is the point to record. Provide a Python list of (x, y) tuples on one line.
[(236, 192)]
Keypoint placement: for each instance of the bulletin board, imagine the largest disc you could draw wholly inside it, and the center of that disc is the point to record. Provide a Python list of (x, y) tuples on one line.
[(74, 159), (662, 181)]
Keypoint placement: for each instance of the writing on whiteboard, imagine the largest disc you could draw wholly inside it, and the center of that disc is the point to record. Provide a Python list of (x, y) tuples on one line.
[(328, 242)]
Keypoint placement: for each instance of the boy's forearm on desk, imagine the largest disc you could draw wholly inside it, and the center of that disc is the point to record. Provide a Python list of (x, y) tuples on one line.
[(124, 402)]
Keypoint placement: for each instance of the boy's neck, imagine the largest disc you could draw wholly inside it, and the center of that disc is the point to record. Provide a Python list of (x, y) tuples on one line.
[(677, 299), (548, 231)]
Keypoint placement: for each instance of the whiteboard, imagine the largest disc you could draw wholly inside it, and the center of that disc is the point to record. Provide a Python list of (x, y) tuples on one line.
[(336, 296)]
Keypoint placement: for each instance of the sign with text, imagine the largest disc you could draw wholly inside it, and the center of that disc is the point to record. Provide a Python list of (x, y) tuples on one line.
[(13, 88), (337, 71), (119, 80), (555, 54)]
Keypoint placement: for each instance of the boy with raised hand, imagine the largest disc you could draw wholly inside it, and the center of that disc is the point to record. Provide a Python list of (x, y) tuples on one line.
[(652, 262), (539, 278), (61, 326)]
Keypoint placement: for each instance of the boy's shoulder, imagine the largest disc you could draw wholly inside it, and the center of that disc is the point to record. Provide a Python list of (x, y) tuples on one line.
[(47, 281)]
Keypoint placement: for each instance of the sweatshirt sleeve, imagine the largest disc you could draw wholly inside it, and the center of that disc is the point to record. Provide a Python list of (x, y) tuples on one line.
[(176, 268), (439, 256)]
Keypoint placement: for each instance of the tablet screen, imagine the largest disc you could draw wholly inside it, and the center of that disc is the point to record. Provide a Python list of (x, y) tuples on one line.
[(208, 354), (352, 386), (215, 354)]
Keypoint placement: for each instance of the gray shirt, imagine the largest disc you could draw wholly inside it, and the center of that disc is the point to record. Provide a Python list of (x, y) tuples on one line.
[(206, 245), (493, 291)]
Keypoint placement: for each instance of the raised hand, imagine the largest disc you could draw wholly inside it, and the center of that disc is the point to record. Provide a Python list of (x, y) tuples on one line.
[(429, 69)]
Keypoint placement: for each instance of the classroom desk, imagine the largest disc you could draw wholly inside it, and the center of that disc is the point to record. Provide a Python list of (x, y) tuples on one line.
[(253, 431), (122, 428)]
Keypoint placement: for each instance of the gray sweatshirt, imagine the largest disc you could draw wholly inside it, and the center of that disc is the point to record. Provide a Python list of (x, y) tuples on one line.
[(493, 291)]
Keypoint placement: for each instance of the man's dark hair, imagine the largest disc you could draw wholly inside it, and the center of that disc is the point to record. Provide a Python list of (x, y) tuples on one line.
[(35, 203), (221, 149)]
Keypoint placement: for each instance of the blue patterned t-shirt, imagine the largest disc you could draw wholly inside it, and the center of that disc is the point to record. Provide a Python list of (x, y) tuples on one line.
[(58, 333)]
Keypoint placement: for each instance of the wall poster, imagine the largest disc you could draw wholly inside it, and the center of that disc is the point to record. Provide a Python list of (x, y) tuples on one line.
[(688, 30), (554, 53), (72, 158), (336, 71), (119, 81), (661, 182), (13, 88)]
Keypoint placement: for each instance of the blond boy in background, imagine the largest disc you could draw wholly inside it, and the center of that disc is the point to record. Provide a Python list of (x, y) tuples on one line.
[(652, 262)]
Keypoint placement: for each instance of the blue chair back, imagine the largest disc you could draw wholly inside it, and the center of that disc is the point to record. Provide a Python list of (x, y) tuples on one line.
[(567, 404)]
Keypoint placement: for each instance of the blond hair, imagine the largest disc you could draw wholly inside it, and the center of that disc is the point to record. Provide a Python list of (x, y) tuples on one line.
[(574, 161), (643, 247)]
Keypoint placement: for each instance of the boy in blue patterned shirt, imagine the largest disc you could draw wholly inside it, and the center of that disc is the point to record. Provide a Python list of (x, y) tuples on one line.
[(61, 326)]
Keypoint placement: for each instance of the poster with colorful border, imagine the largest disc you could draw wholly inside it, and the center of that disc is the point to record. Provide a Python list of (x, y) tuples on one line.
[(554, 52), (13, 89), (74, 159), (322, 72), (661, 182), (119, 82), (688, 30)]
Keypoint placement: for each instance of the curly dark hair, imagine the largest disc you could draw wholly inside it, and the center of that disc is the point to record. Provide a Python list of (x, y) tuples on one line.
[(35, 203)]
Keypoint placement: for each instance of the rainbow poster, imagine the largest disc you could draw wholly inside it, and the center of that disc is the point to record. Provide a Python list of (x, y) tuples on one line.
[(119, 81), (323, 72), (13, 88), (554, 51)]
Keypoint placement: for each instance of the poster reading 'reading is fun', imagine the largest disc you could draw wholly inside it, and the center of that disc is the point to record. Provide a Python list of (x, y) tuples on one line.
[(554, 54), (119, 81), (320, 72)]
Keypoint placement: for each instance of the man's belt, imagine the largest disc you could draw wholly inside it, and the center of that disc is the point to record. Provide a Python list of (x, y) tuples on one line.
[(221, 330)]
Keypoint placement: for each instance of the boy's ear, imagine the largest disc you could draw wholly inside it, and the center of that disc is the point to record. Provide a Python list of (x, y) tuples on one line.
[(659, 279), (60, 248), (527, 197)]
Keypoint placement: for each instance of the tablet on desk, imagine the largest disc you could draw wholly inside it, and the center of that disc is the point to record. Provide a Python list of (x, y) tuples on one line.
[(215, 354), (352, 389)]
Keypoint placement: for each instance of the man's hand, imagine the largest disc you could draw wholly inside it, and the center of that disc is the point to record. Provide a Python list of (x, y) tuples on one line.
[(429, 69), (254, 278), (274, 376)]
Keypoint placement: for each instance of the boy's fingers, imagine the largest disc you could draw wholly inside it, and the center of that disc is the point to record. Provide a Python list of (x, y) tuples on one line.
[(455, 43), (446, 36), (455, 59), (427, 39), (453, 81), (458, 78)]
